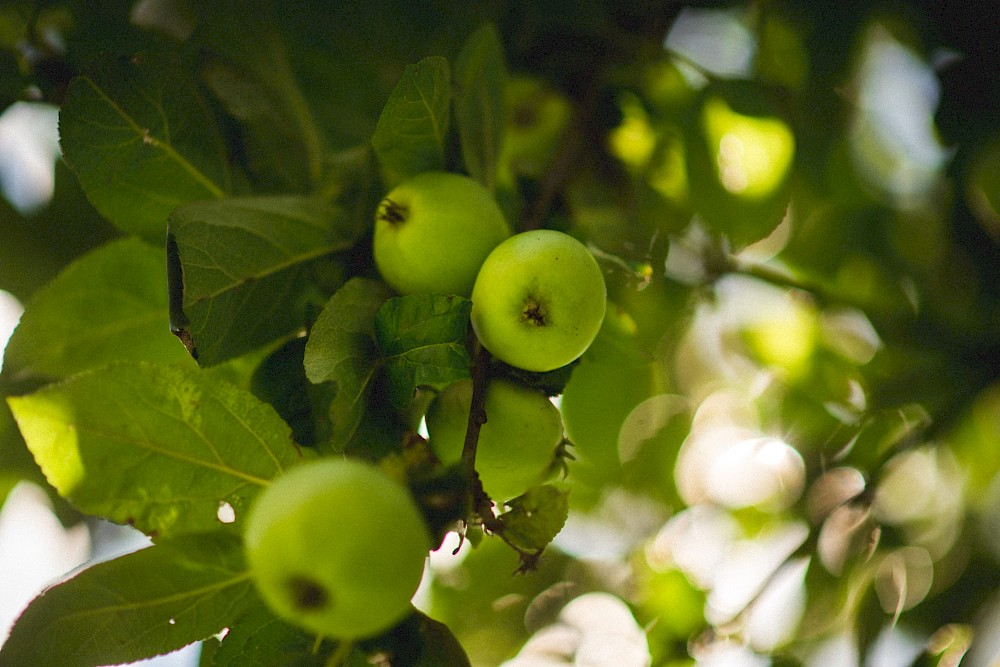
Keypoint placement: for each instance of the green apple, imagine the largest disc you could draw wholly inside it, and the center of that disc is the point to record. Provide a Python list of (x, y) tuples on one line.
[(539, 300), (517, 444), (337, 547), (612, 378), (433, 231)]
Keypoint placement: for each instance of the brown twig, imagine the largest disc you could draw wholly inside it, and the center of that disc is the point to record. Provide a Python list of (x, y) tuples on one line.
[(477, 410), (482, 504)]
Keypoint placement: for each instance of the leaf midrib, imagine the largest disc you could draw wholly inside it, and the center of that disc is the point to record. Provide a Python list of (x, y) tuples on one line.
[(145, 136)]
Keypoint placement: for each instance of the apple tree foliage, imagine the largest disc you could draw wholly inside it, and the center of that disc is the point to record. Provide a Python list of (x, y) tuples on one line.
[(800, 358)]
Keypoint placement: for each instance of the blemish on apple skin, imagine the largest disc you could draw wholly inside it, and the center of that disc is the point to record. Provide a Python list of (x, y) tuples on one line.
[(392, 212)]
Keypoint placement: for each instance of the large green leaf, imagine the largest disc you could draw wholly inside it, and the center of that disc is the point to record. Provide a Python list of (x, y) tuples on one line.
[(244, 60), (109, 305), (341, 350), (242, 269), (412, 132), (158, 447), (480, 76), (422, 338), (142, 140), (150, 602)]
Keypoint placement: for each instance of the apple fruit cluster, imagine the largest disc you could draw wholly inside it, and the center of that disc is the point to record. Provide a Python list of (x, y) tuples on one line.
[(538, 297), (314, 541), (538, 301)]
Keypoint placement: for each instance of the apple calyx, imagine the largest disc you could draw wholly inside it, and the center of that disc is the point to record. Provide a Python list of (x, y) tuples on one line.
[(534, 312), (307, 594), (392, 212)]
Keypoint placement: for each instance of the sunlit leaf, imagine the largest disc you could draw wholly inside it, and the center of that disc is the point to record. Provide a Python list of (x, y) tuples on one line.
[(480, 76), (142, 140), (740, 153), (341, 349), (242, 269), (422, 338), (109, 305), (412, 132), (158, 447), (17, 461), (535, 518), (150, 602)]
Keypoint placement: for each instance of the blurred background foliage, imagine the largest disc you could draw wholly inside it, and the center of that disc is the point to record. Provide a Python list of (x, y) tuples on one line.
[(787, 435)]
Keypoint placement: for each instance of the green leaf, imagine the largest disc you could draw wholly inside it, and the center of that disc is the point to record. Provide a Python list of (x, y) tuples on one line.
[(280, 380), (259, 639), (242, 268), (740, 157), (418, 641), (480, 76), (244, 61), (142, 140), (158, 447), (341, 350), (535, 518), (143, 604), (885, 432), (17, 462), (108, 305), (412, 132), (422, 337)]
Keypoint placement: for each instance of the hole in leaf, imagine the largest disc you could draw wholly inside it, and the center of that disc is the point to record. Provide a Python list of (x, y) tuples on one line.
[(226, 513)]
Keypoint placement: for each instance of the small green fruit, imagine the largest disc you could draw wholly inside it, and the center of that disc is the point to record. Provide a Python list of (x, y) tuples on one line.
[(539, 300), (537, 116), (517, 444), (337, 548), (607, 384), (433, 231)]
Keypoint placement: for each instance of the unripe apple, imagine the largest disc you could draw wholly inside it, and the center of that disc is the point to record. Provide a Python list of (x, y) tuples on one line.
[(337, 547), (433, 231), (539, 300), (517, 444), (612, 378), (537, 116)]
